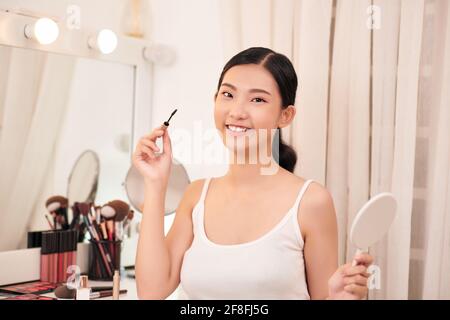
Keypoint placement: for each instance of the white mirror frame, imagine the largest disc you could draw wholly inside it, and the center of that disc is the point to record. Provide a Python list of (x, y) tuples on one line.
[(129, 51)]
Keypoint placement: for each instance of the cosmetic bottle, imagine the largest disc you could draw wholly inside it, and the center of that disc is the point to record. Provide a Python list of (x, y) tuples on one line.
[(83, 292), (116, 285)]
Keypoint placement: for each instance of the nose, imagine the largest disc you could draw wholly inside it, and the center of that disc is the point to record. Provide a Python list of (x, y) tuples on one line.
[(238, 111)]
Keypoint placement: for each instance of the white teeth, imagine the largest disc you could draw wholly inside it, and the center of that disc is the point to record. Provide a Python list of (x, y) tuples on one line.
[(236, 129)]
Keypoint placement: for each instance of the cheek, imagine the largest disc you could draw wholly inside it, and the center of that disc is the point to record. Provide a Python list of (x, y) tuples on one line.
[(219, 115), (265, 117)]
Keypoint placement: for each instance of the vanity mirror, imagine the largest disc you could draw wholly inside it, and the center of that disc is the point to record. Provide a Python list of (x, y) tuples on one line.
[(53, 108), (68, 119)]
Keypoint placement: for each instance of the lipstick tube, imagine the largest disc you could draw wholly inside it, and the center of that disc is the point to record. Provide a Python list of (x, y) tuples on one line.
[(49, 256)]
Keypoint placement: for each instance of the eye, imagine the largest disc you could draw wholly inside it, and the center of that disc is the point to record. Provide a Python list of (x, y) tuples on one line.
[(227, 94), (259, 100)]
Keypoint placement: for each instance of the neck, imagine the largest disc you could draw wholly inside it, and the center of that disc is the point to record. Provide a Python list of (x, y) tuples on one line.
[(245, 174)]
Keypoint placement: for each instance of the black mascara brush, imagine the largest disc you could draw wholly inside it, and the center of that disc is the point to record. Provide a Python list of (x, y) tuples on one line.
[(165, 125)]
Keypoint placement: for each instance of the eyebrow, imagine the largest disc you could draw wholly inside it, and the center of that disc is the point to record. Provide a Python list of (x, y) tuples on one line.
[(251, 90)]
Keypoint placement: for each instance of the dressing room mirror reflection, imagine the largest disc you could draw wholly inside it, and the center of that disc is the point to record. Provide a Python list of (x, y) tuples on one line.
[(62, 119)]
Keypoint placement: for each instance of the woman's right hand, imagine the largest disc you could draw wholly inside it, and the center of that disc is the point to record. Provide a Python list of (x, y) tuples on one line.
[(154, 168)]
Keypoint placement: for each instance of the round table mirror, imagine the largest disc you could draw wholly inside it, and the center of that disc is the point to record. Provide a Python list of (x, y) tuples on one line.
[(178, 182), (83, 179)]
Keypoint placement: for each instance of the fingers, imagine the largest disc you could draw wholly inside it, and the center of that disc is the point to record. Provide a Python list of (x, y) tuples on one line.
[(357, 290), (146, 150), (354, 279), (156, 133), (167, 144), (151, 144), (364, 259), (357, 279), (147, 144), (348, 270)]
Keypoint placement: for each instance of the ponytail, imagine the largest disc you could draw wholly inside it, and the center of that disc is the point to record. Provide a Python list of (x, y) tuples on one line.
[(283, 154)]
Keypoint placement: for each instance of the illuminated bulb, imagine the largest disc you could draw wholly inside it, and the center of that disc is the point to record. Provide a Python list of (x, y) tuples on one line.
[(105, 41), (159, 54), (44, 30)]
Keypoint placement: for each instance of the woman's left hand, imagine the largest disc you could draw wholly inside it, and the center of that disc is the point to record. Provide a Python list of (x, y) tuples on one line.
[(350, 282)]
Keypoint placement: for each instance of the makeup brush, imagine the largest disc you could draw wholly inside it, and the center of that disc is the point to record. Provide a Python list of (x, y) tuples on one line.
[(63, 292), (58, 205), (49, 222), (114, 211), (117, 210), (106, 257), (93, 218), (127, 221), (54, 203), (103, 228), (97, 212), (99, 234), (75, 216), (129, 217), (81, 231), (166, 123)]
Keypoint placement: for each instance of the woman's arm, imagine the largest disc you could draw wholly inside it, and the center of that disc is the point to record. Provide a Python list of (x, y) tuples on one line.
[(159, 257), (317, 220), (325, 279)]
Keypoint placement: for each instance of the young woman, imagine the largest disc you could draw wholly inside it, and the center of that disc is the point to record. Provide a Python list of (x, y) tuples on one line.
[(247, 234)]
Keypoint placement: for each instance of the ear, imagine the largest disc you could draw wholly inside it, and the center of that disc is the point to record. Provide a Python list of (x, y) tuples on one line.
[(287, 116)]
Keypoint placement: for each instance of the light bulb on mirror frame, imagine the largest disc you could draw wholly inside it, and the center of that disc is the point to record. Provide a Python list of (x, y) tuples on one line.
[(44, 31), (159, 54), (105, 41)]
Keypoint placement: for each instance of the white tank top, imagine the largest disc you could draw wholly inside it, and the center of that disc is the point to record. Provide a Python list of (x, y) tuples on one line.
[(270, 267)]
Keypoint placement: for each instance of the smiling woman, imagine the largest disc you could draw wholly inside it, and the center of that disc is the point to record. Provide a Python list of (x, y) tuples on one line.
[(250, 234), (271, 72)]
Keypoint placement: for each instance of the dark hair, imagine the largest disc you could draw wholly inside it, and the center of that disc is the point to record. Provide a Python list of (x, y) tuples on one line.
[(284, 74)]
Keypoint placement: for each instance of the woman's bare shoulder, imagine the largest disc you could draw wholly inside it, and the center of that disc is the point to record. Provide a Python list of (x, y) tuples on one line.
[(316, 210), (193, 192), (315, 196)]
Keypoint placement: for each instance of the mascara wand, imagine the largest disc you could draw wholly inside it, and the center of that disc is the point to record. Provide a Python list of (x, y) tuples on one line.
[(166, 123)]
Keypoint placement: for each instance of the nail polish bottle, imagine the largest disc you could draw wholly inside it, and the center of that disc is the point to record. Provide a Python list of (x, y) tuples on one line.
[(83, 292)]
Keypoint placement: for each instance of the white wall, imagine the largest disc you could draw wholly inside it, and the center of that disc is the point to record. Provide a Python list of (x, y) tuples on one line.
[(192, 29)]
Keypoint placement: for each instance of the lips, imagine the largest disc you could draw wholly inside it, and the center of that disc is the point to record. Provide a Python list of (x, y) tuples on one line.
[(235, 128), (238, 131)]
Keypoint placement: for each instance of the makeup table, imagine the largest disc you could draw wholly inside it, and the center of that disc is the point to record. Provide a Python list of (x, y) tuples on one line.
[(125, 283)]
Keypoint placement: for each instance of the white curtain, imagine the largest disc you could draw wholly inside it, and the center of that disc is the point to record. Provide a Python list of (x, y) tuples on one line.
[(429, 276), (373, 115), (34, 104)]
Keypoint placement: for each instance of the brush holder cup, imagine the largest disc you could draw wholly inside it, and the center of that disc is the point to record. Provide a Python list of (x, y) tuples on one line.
[(104, 258)]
